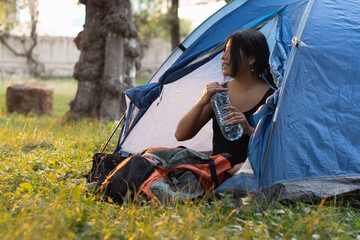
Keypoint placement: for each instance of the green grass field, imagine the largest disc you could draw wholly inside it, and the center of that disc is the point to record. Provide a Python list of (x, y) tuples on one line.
[(40, 155)]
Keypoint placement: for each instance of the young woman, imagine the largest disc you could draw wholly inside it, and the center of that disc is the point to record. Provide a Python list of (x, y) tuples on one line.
[(246, 60)]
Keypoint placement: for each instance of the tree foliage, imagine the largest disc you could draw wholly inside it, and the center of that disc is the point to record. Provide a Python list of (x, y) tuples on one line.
[(158, 19), (148, 18), (9, 20), (153, 19), (7, 15)]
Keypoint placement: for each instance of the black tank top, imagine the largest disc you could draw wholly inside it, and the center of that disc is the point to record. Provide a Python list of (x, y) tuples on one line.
[(238, 148)]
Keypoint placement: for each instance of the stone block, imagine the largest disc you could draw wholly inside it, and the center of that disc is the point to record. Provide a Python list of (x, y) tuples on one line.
[(30, 97)]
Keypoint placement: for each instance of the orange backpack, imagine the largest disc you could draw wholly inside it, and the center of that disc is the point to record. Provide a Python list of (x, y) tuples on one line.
[(182, 174)]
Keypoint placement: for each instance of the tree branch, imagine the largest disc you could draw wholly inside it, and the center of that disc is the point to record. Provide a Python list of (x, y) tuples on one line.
[(6, 44), (33, 34)]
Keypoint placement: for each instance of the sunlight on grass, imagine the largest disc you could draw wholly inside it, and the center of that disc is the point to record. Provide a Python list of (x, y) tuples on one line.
[(40, 155), (141, 81)]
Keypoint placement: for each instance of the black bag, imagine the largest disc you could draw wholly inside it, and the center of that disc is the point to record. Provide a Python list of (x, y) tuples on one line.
[(103, 164), (125, 180)]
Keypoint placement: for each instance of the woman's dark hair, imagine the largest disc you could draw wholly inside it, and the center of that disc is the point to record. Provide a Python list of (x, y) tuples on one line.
[(252, 43)]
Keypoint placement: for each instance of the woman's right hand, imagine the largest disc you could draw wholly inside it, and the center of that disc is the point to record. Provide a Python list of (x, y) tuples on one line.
[(210, 89)]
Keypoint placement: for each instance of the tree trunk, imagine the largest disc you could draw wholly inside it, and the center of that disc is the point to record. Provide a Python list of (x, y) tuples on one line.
[(88, 70), (112, 87), (174, 24), (102, 71)]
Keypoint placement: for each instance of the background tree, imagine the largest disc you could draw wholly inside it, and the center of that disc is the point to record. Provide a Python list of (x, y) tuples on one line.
[(110, 51), (107, 64), (9, 21), (173, 20), (159, 19), (149, 19)]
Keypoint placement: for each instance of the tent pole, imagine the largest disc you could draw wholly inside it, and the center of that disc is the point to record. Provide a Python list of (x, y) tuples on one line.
[(117, 126), (268, 148), (296, 43)]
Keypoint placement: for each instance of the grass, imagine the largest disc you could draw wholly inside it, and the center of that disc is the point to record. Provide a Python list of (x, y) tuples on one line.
[(141, 81), (40, 155)]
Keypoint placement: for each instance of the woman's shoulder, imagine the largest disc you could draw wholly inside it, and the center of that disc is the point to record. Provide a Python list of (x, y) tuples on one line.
[(267, 94), (265, 90), (262, 101)]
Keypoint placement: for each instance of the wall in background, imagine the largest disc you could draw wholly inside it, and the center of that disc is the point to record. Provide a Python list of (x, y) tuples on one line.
[(58, 55)]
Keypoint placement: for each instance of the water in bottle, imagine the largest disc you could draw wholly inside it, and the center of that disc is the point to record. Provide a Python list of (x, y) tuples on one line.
[(218, 101)]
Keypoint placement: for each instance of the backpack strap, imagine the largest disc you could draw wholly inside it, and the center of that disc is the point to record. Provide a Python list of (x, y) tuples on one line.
[(155, 163), (214, 176)]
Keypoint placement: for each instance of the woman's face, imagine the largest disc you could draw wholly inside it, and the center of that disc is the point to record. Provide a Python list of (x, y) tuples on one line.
[(225, 57)]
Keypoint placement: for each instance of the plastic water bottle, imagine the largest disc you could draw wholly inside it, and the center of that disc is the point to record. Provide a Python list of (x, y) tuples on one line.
[(218, 101)]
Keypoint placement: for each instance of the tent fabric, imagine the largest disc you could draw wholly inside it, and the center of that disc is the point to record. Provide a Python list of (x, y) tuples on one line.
[(314, 149), (320, 105), (156, 128), (235, 15)]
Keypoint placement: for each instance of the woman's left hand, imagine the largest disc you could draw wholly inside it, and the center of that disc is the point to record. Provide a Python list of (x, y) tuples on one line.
[(235, 169), (237, 117)]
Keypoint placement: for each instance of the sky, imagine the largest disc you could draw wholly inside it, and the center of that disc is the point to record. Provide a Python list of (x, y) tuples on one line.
[(60, 17), (200, 12), (67, 17)]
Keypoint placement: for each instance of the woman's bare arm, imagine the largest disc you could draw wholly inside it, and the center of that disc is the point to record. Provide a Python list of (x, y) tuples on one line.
[(198, 115), (191, 123)]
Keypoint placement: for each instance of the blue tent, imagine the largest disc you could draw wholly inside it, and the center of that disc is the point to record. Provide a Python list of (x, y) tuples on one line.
[(307, 142)]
